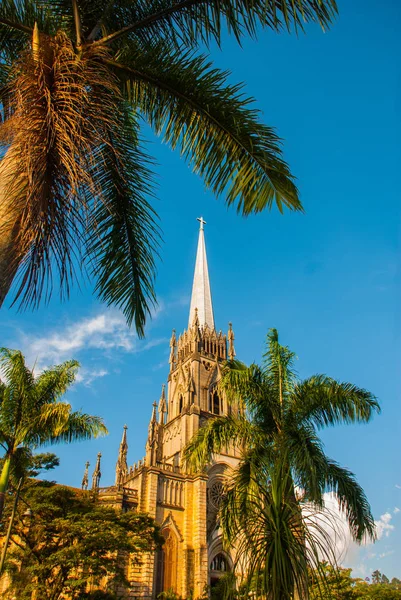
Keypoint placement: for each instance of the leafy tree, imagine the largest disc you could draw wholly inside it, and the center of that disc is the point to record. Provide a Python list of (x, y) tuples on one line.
[(31, 413), (276, 428), (25, 465), (71, 541), (376, 576), (339, 585), (76, 78), (332, 584)]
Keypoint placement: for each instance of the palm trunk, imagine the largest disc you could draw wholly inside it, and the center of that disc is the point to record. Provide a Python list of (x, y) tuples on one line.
[(4, 477), (300, 590), (10, 526), (11, 212)]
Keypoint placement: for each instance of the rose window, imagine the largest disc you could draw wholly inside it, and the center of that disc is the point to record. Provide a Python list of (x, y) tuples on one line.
[(216, 494)]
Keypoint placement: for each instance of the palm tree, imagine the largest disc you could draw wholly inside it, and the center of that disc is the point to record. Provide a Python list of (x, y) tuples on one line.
[(283, 466), (31, 414), (77, 78)]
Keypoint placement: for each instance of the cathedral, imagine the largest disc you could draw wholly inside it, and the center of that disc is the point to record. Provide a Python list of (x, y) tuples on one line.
[(184, 504)]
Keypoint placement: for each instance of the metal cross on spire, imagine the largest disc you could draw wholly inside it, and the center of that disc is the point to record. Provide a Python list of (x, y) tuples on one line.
[(202, 222)]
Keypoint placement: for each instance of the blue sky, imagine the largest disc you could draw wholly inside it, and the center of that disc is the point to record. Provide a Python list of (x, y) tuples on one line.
[(328, 280)]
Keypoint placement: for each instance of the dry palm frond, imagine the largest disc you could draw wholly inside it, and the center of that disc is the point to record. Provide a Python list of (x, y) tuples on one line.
[(63, 105)]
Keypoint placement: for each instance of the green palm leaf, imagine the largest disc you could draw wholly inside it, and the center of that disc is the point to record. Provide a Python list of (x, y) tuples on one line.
[(323, 401), (124, 236), (194, 108)]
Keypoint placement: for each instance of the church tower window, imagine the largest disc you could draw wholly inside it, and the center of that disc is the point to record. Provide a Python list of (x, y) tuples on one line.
[(214, 402), (181, 404), (219, 563)]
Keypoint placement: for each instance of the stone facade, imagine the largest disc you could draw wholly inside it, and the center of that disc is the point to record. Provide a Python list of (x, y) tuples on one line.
[(183, 503)]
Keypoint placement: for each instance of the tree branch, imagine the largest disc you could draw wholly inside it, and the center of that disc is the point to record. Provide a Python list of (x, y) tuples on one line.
[(108, 39), (77, 20), (18, 26), (98, 25)]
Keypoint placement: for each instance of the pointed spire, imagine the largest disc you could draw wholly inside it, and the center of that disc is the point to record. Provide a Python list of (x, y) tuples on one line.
[(162, 405), (122, 465), (85, 478), (153, 419), (230, 336), (201, 295), (173, 350), (97, 473)]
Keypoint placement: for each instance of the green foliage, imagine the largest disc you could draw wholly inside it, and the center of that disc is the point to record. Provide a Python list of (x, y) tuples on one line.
[(275, 420), (169, 595), (225, 588), (339, 585), (71, 540), (75, 178), (32, 415), (98, 595)]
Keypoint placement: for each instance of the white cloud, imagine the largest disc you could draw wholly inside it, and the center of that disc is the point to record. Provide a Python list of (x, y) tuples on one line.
[(383, 526), (398, 486), (396, 510), (347, 552), (104, 331), (105, 334), (87, 376), (384, 554)]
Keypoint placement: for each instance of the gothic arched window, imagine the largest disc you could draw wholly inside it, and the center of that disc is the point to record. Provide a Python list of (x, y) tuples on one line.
[(181, 404), (215, 402), (168, 562), (219, 563)]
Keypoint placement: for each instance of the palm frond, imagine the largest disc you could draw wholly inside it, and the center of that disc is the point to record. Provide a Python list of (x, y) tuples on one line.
[(123, 235), (323, 401), (308, 462), (352, 501), (57, 123), (52, 383), (200, 21), (56, 424), (19, 381), (194, 108), (217, 434), (80, 426), (242, 384), (278, 363)]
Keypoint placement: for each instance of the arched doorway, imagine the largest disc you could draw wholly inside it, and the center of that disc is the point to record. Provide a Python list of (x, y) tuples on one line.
[(219, 565), (167, 562)]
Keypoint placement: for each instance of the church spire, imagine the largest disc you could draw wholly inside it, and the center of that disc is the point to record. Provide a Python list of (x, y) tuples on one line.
[(85, 479), (122, 466), (201, 295)]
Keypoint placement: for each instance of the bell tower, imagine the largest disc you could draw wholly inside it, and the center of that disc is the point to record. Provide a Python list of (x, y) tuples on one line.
[(196, 357)]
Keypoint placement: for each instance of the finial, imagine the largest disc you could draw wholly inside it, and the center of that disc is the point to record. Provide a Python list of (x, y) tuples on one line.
[(122, 465), (96, 473), (195, 320), (202, 223), (85, 479), (153, 418), (162, 405), (173, 344), (230, 336)]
